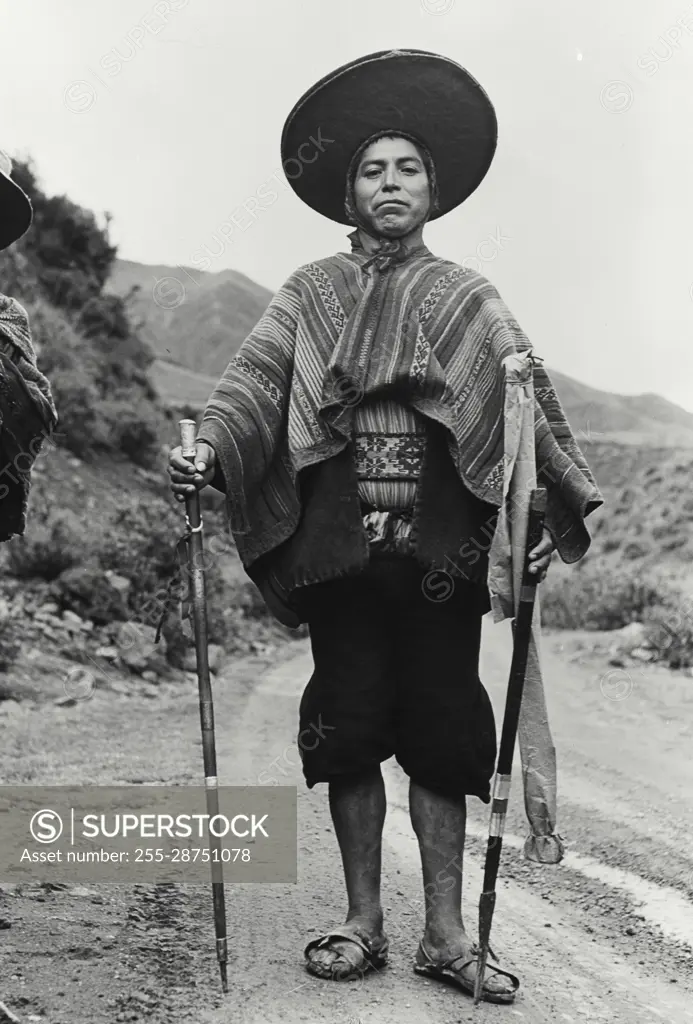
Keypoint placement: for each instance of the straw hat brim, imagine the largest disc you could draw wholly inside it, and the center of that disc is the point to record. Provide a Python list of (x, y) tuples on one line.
[(424, 94)]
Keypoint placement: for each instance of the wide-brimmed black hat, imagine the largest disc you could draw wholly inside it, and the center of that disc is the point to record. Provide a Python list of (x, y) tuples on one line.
[(423, 94), (15, 207)]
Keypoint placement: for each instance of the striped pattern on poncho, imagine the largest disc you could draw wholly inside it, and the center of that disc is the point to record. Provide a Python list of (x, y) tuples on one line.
[(426, 331)]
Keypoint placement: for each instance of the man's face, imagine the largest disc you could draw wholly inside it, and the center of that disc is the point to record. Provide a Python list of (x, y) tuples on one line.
[(391, 188)]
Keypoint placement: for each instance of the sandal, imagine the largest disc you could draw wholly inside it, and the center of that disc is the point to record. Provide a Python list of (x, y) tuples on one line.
[(372, 955), (450, 971)]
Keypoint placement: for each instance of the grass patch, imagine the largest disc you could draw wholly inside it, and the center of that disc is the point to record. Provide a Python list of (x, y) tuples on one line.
[(590, 597)]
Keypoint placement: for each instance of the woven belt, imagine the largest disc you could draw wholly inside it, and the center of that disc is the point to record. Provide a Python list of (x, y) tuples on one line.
[(389, 456)]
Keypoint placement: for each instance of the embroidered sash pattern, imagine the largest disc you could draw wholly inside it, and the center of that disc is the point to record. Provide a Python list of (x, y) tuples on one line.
[(393, 457)]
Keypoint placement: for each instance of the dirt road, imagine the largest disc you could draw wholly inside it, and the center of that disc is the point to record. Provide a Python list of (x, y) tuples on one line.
[(605, 936)]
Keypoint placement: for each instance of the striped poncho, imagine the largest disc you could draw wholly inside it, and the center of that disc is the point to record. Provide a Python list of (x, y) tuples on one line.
[(423, 330)]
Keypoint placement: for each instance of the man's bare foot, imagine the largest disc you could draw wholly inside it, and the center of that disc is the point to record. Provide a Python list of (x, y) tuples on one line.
[(341, 959), (455, 943)]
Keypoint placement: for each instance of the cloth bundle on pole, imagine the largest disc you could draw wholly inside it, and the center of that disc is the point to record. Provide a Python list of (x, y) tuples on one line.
[(537, 752), (522, 632)]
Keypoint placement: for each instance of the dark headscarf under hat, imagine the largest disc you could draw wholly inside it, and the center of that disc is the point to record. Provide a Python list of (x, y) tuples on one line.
[(390, 250)]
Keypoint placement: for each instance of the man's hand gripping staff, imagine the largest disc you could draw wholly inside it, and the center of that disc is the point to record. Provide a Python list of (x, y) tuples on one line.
[(191, 472)]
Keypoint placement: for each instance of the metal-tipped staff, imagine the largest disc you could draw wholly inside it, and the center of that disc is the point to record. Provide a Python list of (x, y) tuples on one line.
[(522, 628), (196, 576)]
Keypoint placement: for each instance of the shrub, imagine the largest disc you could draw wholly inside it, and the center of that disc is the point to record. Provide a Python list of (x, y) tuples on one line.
[(103, 401), (77, 400), (636, 549), (86, 590), (140, 545), (131, 427), (674, 541), (10, 644), (591, 598), (54, 543), (69, 365), (69, 252), (86, 344), (670, 629)]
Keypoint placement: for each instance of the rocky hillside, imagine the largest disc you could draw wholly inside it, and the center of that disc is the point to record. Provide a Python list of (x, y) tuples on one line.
[(639, 569), (88, 582), (647, 519), (190, 317), (85, 589)]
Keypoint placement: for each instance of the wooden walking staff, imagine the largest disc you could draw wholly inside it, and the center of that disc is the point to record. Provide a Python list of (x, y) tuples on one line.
[(196, 577), (522, 628)]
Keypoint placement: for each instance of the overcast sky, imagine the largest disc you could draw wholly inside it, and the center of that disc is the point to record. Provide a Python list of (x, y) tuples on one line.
[(169, 115)]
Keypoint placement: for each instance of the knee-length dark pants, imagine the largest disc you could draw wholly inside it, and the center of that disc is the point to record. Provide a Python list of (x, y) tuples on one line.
[(396, 672)]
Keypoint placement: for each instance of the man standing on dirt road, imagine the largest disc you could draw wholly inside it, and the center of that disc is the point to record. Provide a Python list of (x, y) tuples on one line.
[(358, 437)]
